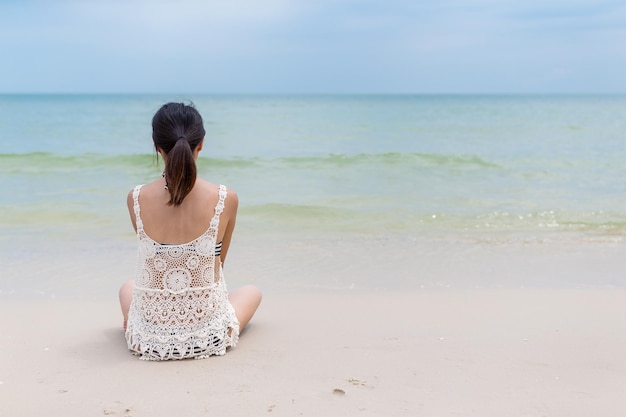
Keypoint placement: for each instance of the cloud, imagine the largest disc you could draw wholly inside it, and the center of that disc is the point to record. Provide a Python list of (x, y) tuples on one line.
[(310, 45), (119, 23), (165, 15)]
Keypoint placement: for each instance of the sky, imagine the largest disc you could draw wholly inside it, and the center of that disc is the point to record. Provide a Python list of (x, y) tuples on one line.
[(313, 46)]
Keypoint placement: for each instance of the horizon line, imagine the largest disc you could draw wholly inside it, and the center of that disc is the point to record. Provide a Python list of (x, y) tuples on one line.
[(85, 93)]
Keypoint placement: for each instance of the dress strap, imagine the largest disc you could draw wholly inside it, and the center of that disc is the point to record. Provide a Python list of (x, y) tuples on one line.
[(220, 203), (136, 209), (219, 207)]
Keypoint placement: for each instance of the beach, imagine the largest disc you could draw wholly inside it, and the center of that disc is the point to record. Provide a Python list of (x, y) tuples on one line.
[(455, 353), (418, 256), (443, 349)]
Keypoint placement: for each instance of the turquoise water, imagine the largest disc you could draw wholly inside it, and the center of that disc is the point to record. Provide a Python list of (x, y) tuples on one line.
[(359, 165)]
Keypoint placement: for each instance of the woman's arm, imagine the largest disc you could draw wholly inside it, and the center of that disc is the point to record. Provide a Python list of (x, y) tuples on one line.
[(131, 210)]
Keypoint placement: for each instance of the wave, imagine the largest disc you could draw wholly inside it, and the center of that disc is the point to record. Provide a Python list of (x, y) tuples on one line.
[(405, 220), (34, 162), (46, 161), (394, 158)]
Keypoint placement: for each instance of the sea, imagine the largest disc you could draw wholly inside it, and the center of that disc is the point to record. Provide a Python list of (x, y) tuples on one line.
[(327, 169)]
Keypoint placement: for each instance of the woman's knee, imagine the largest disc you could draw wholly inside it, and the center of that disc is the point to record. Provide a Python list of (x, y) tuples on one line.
[(247, 294), (254, 293), (126, 296), (126, 290), (245, 301)]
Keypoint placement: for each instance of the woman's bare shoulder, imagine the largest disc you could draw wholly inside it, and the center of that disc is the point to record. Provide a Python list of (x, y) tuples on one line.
[(147, 192), (206, 187), (129, 199), (232, 199), (214, 187)]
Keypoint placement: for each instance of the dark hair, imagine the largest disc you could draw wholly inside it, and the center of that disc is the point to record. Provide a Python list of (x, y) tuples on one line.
[(177, 129)]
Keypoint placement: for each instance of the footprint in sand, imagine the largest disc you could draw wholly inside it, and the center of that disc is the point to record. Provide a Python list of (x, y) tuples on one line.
[(127, 412), (339, 392)]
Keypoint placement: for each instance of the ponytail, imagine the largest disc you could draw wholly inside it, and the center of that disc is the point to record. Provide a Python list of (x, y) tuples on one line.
[(180, 172), (177, 129)]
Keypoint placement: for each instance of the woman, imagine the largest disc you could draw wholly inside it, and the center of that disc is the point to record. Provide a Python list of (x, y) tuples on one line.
[(178, 305)]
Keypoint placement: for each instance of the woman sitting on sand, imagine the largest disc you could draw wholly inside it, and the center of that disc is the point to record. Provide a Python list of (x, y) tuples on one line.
[(178, 305)]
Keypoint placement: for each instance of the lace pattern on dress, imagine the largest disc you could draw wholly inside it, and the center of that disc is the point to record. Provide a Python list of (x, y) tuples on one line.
[(180, 307)]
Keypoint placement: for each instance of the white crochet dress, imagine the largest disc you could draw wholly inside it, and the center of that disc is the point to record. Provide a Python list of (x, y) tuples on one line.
[(180, 306)]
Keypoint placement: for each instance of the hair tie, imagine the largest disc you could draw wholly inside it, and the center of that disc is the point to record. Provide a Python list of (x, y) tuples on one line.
[(180, 138)]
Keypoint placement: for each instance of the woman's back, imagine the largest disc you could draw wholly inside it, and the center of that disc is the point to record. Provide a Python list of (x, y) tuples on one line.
[(181, 224)]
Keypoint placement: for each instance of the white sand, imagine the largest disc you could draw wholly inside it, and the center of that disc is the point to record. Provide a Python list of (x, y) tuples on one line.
[(384, 326), (513, 352)]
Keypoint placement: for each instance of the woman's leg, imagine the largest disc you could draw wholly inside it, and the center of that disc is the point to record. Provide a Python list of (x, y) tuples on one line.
[(126, 295), (245, 301)]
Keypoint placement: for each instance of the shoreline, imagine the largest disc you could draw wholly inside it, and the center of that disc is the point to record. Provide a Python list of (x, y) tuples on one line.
[(81, 270)]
